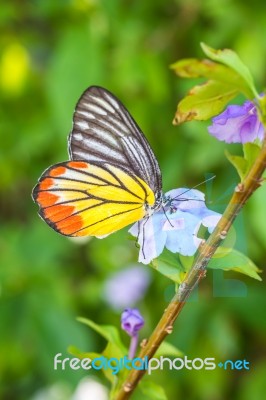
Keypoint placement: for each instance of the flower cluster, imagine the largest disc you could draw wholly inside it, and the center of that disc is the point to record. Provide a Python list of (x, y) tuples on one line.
[(175, 226)]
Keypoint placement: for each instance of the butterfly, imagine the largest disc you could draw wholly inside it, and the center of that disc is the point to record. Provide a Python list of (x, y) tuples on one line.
[(112, 178)]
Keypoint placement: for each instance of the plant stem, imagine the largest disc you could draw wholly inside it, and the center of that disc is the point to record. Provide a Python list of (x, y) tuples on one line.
[(241, 194), (133, 346)]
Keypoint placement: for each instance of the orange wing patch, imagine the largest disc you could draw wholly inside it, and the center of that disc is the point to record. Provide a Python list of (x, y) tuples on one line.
[(57, 171), (46, 199), (70, 225), (81, 199), (47, 183), (78, 164), (57, 213)]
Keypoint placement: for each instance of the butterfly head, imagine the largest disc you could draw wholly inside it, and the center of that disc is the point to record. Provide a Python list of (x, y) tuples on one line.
[(159, 202)]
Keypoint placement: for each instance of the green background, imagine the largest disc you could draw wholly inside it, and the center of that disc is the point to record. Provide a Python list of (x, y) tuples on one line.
[(50, 51)]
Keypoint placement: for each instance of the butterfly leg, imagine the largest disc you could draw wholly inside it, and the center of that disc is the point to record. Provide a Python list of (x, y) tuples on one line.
[(143, 235), (137, 238), (167, 217)]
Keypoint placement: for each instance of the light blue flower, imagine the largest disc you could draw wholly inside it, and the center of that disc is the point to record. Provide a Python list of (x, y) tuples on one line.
[(175, 226)]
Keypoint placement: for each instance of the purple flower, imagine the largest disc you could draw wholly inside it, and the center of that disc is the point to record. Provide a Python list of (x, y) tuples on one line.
[(126, 287), (131, 321), (238, 124), (174, 227)]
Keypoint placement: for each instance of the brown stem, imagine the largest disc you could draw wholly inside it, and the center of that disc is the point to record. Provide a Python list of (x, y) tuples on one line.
[(165, 326)]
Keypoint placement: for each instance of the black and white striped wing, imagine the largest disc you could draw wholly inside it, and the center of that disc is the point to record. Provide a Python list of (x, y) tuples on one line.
[(104, 132)]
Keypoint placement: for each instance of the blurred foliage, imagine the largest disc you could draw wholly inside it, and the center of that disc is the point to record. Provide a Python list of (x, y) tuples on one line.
[(50, 52)]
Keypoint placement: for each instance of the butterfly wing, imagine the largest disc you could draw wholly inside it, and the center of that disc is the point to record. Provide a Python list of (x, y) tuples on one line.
[(104, 131), (79, 198)]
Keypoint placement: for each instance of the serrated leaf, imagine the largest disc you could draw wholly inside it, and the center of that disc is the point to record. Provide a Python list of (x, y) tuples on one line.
[(195, 68), (168, 264), (232, 60), (203, 102), (240, 164), (168, 349), (233, 260), (152, 391)]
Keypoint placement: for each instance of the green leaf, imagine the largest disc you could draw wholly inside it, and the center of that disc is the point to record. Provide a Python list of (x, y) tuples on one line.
[(243, 164), (152, 391), (109, 332), (233, 260), (169, 265), (80, 354), (232, 60), (186, 261), (204, 101), (115, 347), (168, 349), (113, 378), (262, 104), (195, 68), (240, 164), (251, 152)]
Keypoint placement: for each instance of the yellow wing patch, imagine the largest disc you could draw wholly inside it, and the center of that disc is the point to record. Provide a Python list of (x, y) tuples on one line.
[(80, 199)]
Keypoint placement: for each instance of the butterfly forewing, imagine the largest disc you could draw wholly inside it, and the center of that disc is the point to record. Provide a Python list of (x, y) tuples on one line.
[(79, 198), (104, 132)]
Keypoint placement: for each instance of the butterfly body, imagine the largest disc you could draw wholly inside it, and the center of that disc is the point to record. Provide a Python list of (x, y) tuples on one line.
[(112, 179)]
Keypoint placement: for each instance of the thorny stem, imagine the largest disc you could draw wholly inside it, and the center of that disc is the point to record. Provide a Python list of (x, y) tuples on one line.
[(243, 191)]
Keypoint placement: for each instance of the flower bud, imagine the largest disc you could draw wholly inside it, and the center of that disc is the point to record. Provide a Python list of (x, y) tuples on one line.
[(131, 321)]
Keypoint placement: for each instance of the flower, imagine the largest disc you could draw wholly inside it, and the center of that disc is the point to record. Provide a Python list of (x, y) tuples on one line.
[(131, 321), (238, 124), (126, 287), (175, 226)]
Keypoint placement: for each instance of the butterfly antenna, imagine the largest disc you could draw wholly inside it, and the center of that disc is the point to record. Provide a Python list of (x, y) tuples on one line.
[(194, 187)]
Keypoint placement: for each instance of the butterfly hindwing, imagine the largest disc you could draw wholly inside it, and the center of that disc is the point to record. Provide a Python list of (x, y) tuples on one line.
[(77, 198), (104, 132)]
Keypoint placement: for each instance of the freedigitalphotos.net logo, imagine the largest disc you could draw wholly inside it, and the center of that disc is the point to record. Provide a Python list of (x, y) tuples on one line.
[(150, 365)]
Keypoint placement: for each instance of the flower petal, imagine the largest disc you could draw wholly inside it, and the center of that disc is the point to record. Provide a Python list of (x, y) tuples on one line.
[(237, 124), (175, 226)]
